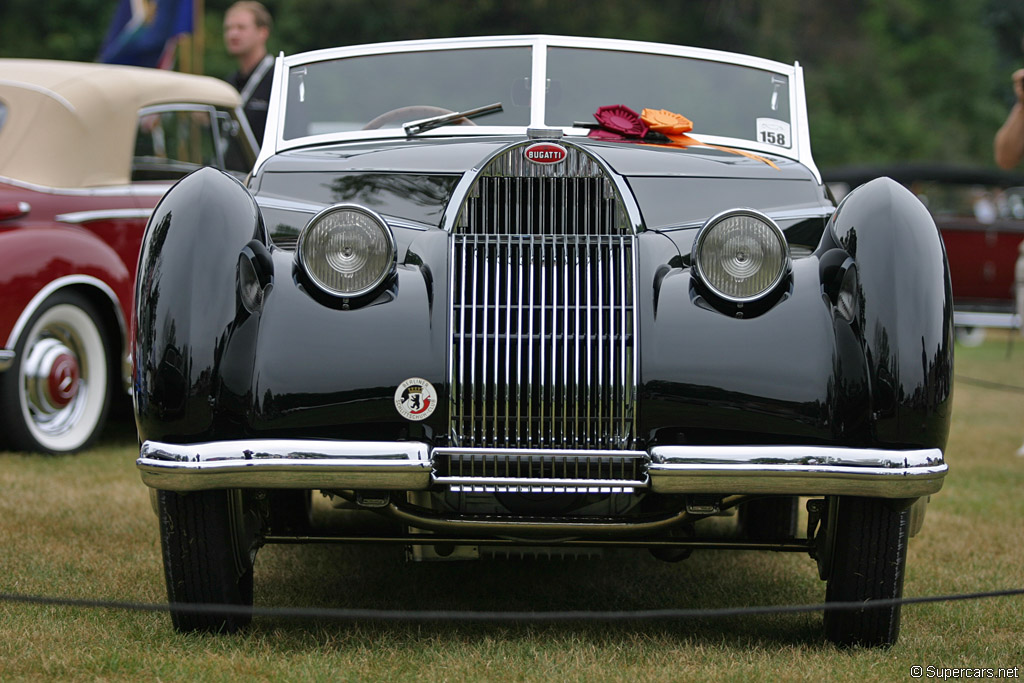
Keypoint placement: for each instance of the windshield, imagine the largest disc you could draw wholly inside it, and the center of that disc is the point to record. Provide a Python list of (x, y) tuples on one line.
[(720, 99), (362, 93), (729, 97)]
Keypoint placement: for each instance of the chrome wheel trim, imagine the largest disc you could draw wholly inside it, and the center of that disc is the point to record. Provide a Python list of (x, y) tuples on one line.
[(62, 381)]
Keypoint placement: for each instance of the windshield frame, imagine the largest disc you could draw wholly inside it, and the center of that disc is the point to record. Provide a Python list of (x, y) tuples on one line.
[(539, 44)]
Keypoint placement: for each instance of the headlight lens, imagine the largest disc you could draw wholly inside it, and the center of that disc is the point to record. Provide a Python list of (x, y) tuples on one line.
[(347, 250), (741, 255)]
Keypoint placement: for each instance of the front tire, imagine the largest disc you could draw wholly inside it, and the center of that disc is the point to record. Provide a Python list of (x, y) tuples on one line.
[(208, 540), (868, 563), (57, 394)]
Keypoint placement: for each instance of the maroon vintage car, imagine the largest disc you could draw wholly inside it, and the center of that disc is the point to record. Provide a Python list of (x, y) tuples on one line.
[(980, 213), (86, 152)]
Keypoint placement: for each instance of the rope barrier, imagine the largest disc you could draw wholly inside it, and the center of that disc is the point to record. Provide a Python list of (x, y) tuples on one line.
[(988, 384), (335, 614)]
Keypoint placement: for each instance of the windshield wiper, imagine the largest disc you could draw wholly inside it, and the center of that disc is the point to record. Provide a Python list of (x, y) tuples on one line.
[(423, 125)]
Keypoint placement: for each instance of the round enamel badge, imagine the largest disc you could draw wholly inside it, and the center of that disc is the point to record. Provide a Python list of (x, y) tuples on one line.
[(415, 399)]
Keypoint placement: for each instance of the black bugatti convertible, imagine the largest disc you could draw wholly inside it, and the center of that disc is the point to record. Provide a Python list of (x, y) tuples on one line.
[(532, 292)]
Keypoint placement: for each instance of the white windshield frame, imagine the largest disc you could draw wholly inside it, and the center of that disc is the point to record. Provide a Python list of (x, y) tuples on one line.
[(274, 141)]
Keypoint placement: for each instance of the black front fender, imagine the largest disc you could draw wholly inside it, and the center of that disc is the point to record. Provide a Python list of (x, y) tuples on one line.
[(905, 311), (190, 331)]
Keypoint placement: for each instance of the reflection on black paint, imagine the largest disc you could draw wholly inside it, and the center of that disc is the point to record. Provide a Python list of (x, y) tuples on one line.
[(379, 190)]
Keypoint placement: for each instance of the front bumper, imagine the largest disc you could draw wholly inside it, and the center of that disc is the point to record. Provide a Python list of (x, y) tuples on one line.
[(409, 466)]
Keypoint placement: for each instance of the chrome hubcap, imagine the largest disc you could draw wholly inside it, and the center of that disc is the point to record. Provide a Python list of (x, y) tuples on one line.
[(55, 385)]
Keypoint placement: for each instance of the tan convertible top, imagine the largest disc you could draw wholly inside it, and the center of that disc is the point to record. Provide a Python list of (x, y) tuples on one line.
[(72, 124)]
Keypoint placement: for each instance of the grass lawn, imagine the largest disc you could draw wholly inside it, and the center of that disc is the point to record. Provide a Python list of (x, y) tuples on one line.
[(82, 527)]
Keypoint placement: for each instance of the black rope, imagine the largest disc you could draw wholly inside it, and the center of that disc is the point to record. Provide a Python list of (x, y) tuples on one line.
[(987, 384), (491, 616)]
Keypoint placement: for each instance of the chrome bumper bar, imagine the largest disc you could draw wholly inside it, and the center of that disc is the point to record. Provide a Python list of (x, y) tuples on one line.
[(797, 470), (285, 464), (407, 466)]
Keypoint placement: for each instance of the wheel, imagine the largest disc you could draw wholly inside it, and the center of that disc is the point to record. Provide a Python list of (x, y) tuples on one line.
[(411, 113), (770, 519), (58, 390), (868, 561), (209, 544)]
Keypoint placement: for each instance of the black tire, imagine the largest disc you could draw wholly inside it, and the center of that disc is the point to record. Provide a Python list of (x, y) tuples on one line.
[(770, 519), (208, 547), (868, 563), (56, 395)]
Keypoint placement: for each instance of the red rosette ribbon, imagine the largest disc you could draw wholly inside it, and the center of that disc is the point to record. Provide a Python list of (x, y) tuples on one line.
[(618, 118)]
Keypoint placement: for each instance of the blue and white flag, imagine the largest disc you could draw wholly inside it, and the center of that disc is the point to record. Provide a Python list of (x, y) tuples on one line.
[(145, 32)]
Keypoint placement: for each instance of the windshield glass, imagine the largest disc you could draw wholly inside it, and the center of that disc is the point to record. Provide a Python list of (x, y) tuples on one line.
[(720, 99), (360, 93)]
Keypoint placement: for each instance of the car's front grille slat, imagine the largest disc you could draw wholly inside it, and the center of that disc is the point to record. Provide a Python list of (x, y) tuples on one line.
[(498, 469), (543, 312)]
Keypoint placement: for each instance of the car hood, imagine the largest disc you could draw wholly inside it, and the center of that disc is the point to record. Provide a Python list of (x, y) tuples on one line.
[(435, 155)]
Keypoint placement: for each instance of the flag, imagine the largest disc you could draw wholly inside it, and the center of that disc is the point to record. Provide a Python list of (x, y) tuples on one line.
[(145, 32)]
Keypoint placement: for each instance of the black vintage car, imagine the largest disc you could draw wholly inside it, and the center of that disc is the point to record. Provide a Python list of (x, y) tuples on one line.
[(522, 293)]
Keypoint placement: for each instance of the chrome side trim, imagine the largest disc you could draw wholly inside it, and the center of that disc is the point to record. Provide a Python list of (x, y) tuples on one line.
[(797, 470), (300, 464), (78, 217), (136, 189)]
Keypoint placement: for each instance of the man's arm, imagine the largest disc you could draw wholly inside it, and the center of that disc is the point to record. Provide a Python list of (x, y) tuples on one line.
[(1009, 142)]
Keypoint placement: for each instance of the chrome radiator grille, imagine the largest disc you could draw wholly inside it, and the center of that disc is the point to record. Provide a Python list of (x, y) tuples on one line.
[(543, 304)]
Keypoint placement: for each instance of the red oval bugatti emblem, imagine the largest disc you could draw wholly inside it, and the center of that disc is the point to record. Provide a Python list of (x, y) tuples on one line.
[(545, 153)]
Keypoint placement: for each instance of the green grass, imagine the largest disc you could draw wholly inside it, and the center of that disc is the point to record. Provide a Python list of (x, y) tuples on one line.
[(82, 527)]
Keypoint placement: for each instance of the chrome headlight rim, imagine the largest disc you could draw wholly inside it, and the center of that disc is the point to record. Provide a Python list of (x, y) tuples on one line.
[(323, 287), (705, 230)]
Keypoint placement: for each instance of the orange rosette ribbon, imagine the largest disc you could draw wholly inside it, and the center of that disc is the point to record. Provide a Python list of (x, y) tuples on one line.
[(666, 122), (676, 126)]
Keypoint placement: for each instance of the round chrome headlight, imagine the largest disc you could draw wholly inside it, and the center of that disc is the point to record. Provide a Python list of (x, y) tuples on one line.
[(741, 255), (347, 250)]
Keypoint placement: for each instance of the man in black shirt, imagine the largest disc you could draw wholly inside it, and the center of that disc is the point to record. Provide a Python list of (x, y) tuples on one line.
[(246, 30)]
